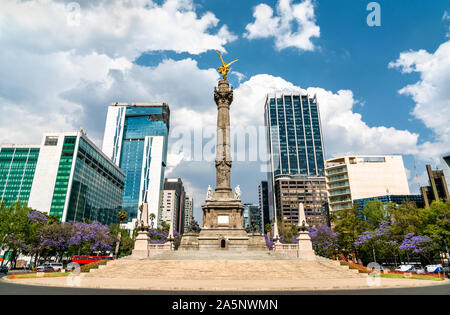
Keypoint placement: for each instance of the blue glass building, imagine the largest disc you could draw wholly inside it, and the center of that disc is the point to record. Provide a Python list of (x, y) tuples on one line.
[(397, 199), (136, 140)]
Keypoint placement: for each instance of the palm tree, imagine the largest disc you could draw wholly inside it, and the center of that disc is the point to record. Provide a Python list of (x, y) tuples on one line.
[(152, 217), (122, 216)]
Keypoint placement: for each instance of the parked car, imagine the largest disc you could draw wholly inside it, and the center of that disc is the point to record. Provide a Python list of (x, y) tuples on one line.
[(446, 270), (56, 266), (4, 269), (405, 268), (420, 270), (434, 268), (45, 268)]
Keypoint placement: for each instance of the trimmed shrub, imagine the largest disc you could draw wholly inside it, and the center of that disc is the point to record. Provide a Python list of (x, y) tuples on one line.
[(94, 265)]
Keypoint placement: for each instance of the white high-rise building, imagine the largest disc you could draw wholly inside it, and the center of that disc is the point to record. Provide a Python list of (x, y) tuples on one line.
[(357, 177), (168, 206)]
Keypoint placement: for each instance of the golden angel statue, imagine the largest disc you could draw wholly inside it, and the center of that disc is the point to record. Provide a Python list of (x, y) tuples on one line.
[(224, 68)]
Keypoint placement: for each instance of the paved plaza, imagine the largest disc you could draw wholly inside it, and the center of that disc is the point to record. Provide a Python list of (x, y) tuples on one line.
[(234, 271)]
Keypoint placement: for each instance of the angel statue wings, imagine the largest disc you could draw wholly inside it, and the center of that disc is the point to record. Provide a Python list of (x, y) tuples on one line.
[(224, 68)]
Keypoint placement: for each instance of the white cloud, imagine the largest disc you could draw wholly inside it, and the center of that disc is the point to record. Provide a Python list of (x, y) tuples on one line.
[(431, 95), (293, 26), (56, 77), (344, 130), (45, 59), (114, 28)]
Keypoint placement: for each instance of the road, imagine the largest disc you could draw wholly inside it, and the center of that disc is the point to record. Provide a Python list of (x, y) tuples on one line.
[(17, 289)]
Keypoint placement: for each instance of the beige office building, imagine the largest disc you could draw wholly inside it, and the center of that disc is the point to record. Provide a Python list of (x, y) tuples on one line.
[(356, 177), (168, 206)]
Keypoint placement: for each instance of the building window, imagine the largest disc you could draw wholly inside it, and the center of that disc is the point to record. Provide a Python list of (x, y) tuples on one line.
[(49, 140)]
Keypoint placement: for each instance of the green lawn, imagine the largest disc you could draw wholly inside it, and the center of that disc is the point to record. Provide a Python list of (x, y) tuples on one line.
[(418, 277), (34, 275)]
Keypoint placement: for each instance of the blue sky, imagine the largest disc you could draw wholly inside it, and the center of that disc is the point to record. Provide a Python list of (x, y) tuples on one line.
[(376, 86)]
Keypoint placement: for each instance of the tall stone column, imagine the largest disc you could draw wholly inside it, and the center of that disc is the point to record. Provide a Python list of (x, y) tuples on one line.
[(223, 96), (223, 226)]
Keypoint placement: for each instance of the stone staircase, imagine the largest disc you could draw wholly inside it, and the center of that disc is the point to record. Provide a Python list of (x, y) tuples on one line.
[(222, 265)]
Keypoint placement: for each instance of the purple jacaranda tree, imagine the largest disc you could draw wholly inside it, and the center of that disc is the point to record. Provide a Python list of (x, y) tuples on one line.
[(324, 240), (417, 244), (36, 220), (55, 238), (269, 241), (372, 239), (76, 238), (37, 217), (158, 236), (90, 238)]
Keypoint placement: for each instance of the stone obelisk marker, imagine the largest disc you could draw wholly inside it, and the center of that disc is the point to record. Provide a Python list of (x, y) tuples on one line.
[(222, 211)]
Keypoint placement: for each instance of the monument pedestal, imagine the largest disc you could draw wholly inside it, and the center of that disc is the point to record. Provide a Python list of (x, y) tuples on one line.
[(141, 244), (189, 241), (305, 249), (223, 226), (257, 242)]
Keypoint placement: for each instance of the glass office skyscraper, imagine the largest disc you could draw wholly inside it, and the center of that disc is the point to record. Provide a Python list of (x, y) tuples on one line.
[(294, 135), (75, 180), (17, 168), (136, 140), (295, 146)]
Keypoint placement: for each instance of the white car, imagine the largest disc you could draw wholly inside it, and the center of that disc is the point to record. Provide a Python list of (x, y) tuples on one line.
[(50, 267), (56, 266), (405, 268), (433, 268), (44, 268)]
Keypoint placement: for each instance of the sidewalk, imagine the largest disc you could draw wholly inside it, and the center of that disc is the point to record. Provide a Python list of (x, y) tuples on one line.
[(227, 285)]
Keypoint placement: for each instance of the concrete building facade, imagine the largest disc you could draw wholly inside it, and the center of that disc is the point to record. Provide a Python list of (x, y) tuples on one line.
[(173, 203), (359, 177), (446, 168), (437, 189), (312, 192), (188, 211)]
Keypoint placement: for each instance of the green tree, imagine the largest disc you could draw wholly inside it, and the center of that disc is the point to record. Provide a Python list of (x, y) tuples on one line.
[(375, 212), (407, 218), (437, 227), (268, 228), (349, 225), (121, 216), (288, 231), (15, 229)]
